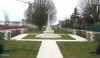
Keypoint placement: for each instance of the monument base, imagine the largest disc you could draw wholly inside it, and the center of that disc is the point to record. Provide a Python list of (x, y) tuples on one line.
[(48, 34)]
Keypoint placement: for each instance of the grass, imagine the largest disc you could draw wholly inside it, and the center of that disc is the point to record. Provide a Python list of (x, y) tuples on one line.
[(61, 31), (77, 49), (36, 30), (20, 49), (56, 31), (64, 37)]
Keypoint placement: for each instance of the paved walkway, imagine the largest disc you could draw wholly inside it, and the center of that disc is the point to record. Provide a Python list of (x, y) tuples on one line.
[(78, 38), (19, 37), (49, 48)]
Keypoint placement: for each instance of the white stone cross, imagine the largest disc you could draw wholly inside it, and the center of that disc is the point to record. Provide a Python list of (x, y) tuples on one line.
[(48, 21)]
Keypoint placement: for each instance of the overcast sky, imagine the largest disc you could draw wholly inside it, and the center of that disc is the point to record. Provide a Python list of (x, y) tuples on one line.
[(16, 9)]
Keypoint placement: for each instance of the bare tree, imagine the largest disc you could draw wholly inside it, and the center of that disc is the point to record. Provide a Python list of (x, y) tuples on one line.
[(6, 16), (75, 19), (90, 10), (36, 12)]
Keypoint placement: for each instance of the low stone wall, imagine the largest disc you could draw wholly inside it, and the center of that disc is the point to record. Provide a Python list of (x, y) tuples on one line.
[(78, 32), (1, 36), (12, 32), (7, 34), (89, 35), (18, 31), (96, 36), (81, 33), (15, 32), (69, 29)]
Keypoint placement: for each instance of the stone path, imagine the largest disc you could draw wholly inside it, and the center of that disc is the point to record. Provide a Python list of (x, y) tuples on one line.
[(19, 37), (49, 48), (78, 38)]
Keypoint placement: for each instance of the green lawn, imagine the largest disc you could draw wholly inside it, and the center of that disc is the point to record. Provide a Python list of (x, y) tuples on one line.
[(56, 31), (78, 49), (20, 49), (36, 30), (64, 37), (61, 31)]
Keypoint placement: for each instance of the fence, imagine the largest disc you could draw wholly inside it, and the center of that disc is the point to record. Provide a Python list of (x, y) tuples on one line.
[(92, 28)]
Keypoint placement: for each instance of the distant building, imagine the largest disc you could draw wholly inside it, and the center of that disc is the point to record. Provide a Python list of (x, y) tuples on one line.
[(23, 22), (62, 23), (11, 23)]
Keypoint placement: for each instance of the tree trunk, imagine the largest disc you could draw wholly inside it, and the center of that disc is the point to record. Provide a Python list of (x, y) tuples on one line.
[(40, 27)]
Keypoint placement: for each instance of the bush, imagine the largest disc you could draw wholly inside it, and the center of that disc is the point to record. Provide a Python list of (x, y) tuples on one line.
[(98, 49), (1, 48), (78, 32), (83, 34), (15, 33), (97, 37), (30, 29)]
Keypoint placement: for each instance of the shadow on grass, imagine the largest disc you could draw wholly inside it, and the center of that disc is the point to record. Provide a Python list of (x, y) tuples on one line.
[(94, 55)]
